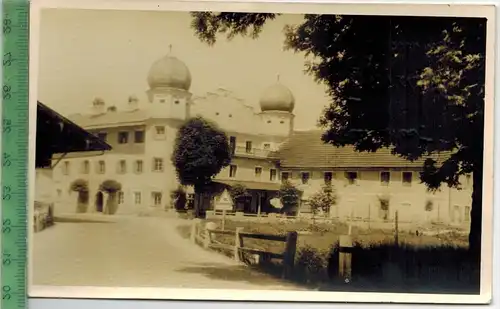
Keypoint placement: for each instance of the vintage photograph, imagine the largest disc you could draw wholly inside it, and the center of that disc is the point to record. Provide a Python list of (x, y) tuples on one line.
[(261, 151)]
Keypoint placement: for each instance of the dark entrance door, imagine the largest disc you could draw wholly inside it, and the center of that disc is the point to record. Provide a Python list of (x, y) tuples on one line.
[(99, 202)]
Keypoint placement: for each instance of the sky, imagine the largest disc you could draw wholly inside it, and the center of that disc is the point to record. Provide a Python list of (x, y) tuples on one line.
[(101, 53)]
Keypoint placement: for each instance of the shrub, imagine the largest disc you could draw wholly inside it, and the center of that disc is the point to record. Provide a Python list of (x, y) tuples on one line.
[(312, 264), (290, 198), (323, 199), (111, 187), (82, 187), (178, 198)]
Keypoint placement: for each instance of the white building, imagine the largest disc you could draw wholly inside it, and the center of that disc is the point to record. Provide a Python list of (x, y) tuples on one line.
[(142, 139)]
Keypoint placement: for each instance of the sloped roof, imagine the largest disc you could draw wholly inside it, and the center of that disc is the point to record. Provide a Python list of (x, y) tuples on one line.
[(305, 149), (57, 134), (110, 118)]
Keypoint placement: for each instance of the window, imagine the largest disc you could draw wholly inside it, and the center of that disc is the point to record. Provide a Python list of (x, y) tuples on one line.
[(468, 179), (156, 197), (160, 130), (65, 168), (102, 136), (351, 177), (232, 171), (248, 147), (138, 166), (328, 176), (272, 174), (101, 167), (86, 167), (139, 137), (121, 197), (158, 164), (385, 178), (177, 102), (59, 192), (305, 178), (258, 171), (285, 176), (467, 213), (267, 146), (407, 178), (232, 144), (122, 137), (122, 167), (137, 198)]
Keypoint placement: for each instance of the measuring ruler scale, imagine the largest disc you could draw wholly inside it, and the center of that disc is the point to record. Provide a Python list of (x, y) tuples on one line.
[(14, 176)]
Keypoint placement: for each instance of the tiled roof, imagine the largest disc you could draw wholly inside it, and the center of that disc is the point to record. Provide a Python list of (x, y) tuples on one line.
[(109, 118), (305, 149)]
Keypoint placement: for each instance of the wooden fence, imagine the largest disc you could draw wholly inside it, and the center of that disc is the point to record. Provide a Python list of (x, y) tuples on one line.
[(204, 236)]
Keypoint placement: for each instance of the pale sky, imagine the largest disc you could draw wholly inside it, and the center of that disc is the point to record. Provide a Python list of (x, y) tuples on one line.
[(99, 53)]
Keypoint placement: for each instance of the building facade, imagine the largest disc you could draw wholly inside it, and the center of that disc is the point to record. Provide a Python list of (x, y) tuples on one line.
[(142, 139)]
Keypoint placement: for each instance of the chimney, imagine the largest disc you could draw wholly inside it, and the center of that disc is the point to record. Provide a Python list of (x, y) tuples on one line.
[(133, 102), (98, 106)]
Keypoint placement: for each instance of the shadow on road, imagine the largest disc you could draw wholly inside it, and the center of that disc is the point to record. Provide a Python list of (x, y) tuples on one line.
[(239, 273)]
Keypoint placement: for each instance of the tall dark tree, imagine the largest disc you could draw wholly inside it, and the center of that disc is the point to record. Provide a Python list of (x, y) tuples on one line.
[(414, 84), (201, 151)]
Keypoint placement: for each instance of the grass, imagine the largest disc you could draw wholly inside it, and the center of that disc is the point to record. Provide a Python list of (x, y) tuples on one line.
[(420, 264)]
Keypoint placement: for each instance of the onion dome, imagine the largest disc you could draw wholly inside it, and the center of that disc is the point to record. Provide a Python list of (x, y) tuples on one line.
[(277, 98), (169, 72)]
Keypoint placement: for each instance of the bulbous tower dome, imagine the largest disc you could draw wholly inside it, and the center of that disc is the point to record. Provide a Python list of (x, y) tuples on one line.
[(170, 72), (277, 98)]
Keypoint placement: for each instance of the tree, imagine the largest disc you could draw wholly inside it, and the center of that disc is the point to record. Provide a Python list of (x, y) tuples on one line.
[(289, 197), (201, 151), (81, 186), (239, 194), (416, 85), (323, 200), (111, 187)]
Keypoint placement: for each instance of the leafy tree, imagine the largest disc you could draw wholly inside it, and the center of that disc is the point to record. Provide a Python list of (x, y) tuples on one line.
[(201, 151), (239, 194), (82, 187), (415, 85), (112, 187), (290, 198), (323, 200)]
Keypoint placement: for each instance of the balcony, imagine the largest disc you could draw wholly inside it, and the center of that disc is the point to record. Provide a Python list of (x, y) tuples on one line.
[(251, 152)]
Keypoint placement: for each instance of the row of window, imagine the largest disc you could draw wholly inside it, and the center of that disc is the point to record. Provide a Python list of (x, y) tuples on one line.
[(351, 177), (248, 146), (156, 197), (121, 168), (138, 135)]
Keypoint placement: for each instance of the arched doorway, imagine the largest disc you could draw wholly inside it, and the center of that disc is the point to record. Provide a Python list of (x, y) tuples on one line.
[(99, 202)]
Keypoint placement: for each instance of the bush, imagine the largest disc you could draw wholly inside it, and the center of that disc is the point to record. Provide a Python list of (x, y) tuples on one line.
[(323, 200), (290, 198), (81, 186), (111, 187), (178, 199)]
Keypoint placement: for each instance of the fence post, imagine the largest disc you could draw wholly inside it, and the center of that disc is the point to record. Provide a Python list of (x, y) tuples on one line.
[(289, 254), (345, 257), (396, 229), (238, 243), (223, 219)]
